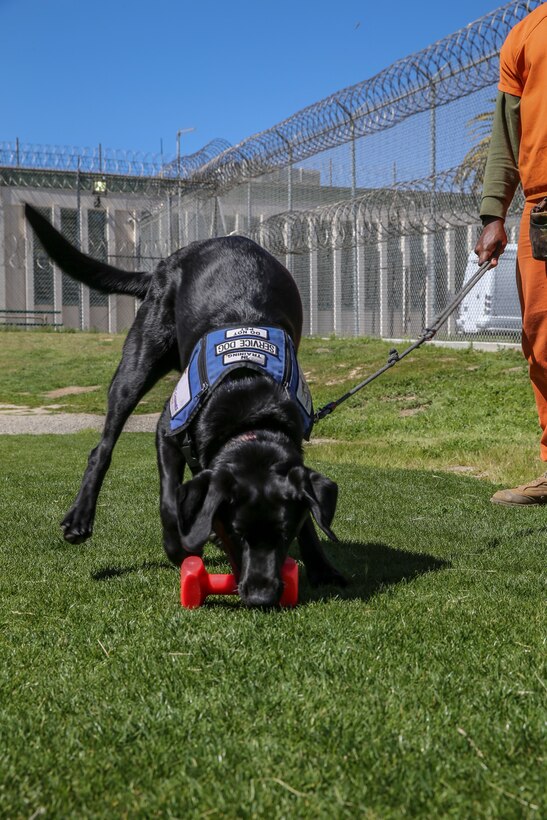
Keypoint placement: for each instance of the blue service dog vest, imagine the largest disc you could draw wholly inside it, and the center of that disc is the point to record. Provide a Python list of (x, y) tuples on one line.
[(266, 349)]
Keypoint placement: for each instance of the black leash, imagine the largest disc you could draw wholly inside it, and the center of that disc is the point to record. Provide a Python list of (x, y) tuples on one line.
[(427, 334)]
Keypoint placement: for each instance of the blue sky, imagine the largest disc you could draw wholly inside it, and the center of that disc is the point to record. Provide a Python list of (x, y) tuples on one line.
[(130, 74)]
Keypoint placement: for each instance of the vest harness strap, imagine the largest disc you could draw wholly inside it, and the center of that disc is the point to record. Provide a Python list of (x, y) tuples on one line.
[(265, 349)]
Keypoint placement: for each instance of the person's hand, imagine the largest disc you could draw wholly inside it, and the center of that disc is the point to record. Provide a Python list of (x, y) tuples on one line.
[(492, 241)]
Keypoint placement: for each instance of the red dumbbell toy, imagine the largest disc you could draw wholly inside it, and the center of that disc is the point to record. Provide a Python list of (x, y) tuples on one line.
[(196, 583)]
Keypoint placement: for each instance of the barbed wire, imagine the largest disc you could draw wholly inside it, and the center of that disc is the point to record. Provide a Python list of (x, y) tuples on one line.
[(99, 160), (446, 200), (451, 68), (190, 163)]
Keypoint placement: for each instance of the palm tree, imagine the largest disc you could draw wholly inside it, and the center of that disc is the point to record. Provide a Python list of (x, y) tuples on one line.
[(471, 170)]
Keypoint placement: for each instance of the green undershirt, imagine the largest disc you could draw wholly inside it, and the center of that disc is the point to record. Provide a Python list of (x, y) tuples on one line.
[(501, 176)]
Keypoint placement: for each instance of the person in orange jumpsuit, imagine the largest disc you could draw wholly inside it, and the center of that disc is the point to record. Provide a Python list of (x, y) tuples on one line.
[(518, 153)]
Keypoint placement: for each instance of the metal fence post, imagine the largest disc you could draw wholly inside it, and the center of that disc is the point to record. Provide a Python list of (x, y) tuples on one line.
[(360, 295), (289, 208), (249, 208), (337, 325), (405, 263), (3, 239), (429, 247), (428, 240), (29, 272), (186, 239), (170, 228), (289, 180), (384, 281), (85, 310), (450, 250), (313, 282), (137, 251), (433, 147), (356, 288), (57, 273), (112, 318), (79, 237), (179, 209)]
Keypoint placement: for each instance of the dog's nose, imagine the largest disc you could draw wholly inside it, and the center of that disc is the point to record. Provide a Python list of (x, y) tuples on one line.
[(261, 592)]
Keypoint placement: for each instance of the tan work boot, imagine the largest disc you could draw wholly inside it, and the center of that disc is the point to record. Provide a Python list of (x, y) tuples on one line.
[(535, 492)]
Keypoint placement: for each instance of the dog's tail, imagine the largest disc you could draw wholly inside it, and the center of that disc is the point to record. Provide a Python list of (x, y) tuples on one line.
[(83, 268)]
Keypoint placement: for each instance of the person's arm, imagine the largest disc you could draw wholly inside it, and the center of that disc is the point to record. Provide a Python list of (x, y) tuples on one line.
[(501, 177)]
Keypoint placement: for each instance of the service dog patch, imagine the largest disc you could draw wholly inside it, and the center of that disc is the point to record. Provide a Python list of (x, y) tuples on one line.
[(266, 349)]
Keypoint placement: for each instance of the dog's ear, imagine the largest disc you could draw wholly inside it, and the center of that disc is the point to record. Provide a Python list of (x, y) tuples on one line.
[(198, 500), (321, 494)]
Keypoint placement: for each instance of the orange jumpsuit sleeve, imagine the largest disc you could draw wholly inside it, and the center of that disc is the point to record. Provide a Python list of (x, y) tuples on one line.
[(511, 73)]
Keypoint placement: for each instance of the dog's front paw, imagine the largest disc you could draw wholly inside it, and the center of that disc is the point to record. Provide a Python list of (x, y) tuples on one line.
[(326, 575), (76, 528), (176, 552)]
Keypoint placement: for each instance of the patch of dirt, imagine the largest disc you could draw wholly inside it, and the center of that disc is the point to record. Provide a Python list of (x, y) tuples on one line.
[(323, 441), (73, 390), (398, 398), (30, 423), (521, 369), (412, 411), (460, 468), (23, 410)]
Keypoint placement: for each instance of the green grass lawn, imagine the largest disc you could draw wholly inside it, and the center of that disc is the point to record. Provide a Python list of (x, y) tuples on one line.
[(461, 410), (419, 691)]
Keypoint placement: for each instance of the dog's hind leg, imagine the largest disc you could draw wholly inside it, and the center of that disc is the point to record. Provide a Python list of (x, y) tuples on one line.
[(318, 567), (171, 464), (144, 361)]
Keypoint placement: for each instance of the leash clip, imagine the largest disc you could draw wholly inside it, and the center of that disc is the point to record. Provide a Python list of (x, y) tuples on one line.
[(325, 411)]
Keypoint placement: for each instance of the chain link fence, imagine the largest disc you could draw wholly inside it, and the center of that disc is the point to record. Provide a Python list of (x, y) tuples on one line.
[(370, 198)]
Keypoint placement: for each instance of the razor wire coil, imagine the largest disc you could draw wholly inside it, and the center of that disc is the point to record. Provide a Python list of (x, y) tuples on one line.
[(453, 67)]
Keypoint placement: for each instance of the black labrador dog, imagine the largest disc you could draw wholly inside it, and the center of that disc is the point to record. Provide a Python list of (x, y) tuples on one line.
[(250, 486)]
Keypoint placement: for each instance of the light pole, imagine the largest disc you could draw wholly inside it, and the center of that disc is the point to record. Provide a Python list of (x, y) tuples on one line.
[(179, 134)]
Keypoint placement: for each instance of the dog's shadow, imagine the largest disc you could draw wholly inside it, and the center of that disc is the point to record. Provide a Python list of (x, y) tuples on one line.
[(214, 563), (106, 573), (369, 569)]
